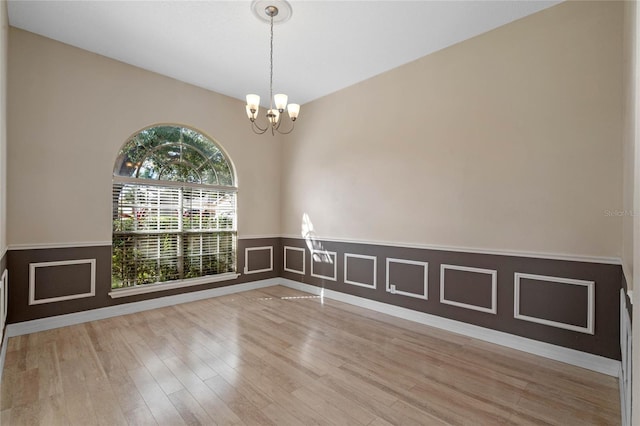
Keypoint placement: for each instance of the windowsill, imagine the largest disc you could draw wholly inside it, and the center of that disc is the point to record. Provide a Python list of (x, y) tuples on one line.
[(152, 288)]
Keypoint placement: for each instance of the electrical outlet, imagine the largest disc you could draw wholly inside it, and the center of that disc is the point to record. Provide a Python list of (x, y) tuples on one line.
[(393, 289)]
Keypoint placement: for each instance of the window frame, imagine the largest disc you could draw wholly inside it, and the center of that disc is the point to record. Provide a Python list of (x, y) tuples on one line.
[(119, 182)]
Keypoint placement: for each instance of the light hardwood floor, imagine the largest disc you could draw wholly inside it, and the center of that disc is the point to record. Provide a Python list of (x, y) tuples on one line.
[(281, 357)]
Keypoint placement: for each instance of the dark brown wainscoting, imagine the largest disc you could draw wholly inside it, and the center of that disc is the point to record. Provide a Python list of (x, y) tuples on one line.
[(62, 283), (553, 294)]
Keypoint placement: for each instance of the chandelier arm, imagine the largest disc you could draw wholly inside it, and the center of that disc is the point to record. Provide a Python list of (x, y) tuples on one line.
[(260, 130), (293, 125)]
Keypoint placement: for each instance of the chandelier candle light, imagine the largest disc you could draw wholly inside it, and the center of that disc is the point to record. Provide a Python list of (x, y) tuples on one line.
[(274, 115)]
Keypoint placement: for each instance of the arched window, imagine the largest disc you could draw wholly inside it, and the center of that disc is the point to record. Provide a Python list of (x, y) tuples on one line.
[(174, 208)]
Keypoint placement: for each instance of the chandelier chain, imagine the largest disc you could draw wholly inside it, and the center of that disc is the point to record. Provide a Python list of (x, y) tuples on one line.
[(271, 70)]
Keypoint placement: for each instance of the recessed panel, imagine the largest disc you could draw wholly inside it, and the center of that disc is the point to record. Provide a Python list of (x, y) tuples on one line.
[(323, 264), (294, 258), (258, 259), (470, 288), (360, 270), (558, 302), (61, 280), (407, 277)]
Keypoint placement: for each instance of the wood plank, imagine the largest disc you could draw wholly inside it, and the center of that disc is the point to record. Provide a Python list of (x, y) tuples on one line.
[(192, 413), (206, 398), (78, 402), (238, 403), (156, 367), (52, 411), (163, 411)]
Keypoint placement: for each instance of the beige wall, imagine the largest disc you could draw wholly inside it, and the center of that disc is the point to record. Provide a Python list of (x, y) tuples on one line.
[(4, 35), (69, 113), (629, 139), (510, 140)]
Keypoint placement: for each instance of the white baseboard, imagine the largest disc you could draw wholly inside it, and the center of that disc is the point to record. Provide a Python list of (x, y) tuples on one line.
[(49, 323), (570, 356)]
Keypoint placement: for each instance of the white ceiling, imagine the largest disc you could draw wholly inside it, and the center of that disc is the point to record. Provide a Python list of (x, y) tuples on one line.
[(222, 46)]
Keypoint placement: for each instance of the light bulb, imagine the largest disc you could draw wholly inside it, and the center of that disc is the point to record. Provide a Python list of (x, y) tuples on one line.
[(273, 115), (251, 114)]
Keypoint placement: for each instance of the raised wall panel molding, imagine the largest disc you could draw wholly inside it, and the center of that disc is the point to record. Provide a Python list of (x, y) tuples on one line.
[(590, 285), (295, 271), (494, 288), (5, 292), (4, 297), (4, 282), (347, 256), (247, 250), (33, 283), (391, 288), (328, 254), (628, 276)]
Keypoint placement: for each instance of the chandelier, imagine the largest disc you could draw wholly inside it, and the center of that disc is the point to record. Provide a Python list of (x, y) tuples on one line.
[(274, 115)]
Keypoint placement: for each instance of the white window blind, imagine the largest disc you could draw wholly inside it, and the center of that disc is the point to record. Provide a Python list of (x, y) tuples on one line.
[(164, 233)]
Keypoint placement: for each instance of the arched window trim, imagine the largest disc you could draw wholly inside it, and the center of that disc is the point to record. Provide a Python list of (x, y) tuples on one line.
[(225, 154), (143, 184)]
